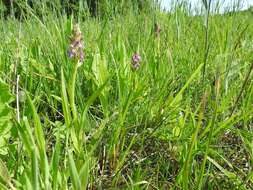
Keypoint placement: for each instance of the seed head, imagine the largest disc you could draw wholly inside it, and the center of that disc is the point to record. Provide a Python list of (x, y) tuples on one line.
[(76, 45)]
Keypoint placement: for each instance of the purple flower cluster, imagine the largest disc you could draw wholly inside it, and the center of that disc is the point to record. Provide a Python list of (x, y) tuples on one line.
[(76, 46), (76, 49), (136, 59)]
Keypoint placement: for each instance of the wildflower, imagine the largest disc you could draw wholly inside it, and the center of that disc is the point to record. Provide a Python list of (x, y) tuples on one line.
[(157, 29), (76, 46), (136, 58)]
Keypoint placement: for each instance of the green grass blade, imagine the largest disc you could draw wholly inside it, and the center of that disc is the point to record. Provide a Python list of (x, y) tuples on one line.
[(73, 172)]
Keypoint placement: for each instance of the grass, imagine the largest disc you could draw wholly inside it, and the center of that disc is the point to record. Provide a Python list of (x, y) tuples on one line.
[(183, 120)]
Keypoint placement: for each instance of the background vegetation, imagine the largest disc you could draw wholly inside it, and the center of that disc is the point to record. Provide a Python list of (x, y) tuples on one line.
[(183, 120)]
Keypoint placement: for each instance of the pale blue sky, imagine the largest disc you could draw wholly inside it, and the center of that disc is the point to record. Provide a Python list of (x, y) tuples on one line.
[(224, 3)]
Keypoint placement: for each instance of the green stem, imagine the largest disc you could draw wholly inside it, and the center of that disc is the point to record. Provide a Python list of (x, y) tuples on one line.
[(72, 92), (210, 135), (207, 6)]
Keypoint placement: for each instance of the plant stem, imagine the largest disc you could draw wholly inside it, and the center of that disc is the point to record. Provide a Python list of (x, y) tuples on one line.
[(72, 92), (207, 6)]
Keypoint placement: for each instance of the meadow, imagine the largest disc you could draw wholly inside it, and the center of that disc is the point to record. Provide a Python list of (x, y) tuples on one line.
[(148, 100)]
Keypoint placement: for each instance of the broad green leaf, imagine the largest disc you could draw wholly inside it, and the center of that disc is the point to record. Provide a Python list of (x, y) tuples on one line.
[(37, 124), (84, 174), (39, 134), (73, 172), (35, 172), (55, 162), (65, 102)]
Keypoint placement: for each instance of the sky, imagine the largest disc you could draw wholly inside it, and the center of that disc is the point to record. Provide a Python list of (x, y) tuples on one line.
[(224, 3)]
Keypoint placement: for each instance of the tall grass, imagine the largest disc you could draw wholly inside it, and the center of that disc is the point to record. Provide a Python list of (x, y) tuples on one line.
[(105, 125)]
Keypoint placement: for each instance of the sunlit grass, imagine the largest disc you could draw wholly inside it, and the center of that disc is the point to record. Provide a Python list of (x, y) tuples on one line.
[(107, 125)]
